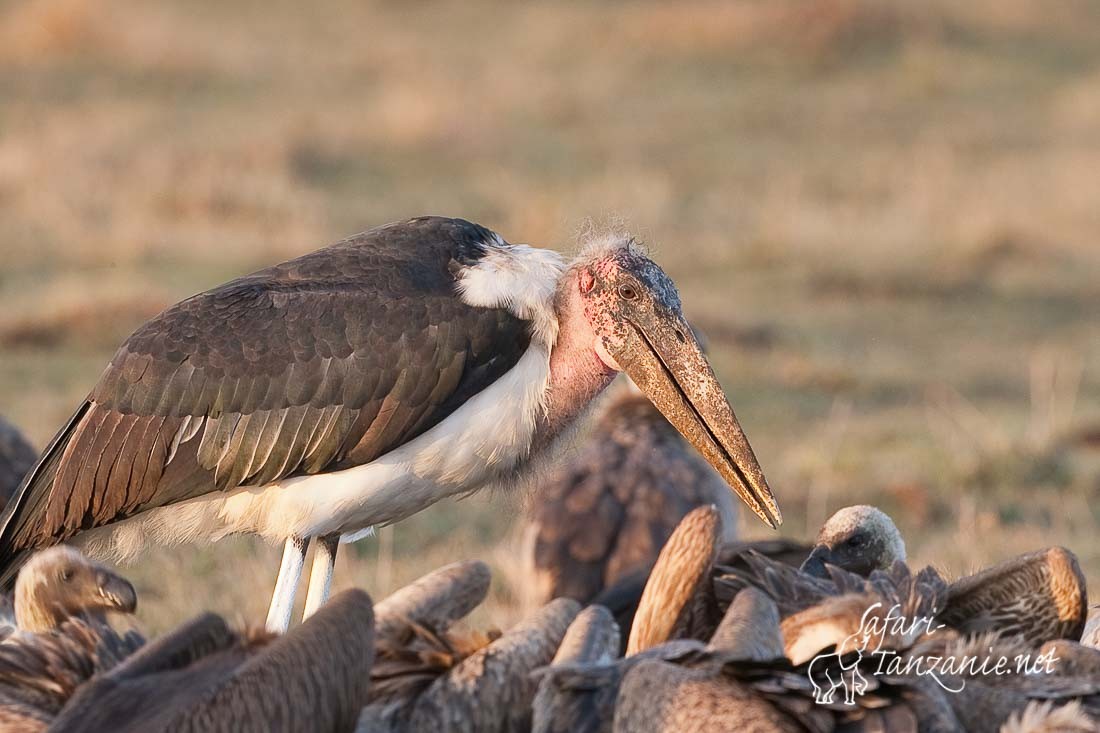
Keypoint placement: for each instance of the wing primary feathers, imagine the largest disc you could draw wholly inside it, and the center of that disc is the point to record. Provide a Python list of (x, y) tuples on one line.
[(31, 495), (140, 466), (113, 453), (79, 501), (158, 451)]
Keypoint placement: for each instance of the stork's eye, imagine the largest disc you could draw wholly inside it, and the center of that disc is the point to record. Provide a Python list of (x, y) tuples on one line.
[(628, 292), (65, 575), (855, 541)]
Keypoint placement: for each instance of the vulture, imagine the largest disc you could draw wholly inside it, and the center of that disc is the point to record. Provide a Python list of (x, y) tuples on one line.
[(60, 582), (206, 677), (429, 676), (40, 672), (769, 662), (858, 539)]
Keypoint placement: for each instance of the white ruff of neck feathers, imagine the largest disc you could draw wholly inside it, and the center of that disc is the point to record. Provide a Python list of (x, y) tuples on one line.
[(520, 278)]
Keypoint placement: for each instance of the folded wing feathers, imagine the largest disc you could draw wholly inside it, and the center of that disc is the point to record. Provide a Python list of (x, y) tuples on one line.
[(266, 445), (264, 469), (326, 361)]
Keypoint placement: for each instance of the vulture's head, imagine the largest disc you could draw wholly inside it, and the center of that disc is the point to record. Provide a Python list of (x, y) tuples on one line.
[(858, 539), (60, 582)]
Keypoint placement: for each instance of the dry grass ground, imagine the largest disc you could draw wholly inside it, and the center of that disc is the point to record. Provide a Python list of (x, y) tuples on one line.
[(883, 213)]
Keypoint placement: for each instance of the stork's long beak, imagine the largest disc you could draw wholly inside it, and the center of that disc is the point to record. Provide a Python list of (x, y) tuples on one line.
[(664, 359)]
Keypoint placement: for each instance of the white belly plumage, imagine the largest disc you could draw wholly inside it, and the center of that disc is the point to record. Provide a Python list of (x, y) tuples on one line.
[(480, 443)]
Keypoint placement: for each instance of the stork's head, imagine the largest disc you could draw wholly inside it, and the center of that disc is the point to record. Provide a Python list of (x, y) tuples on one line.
[(638, 326), (60, 582)]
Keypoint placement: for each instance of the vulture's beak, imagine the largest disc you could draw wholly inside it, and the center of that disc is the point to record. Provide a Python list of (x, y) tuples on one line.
[(815, 562), (660, 353), (117, 593)]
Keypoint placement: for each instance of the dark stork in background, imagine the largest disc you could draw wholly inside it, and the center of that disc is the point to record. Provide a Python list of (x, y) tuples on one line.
[(16, 458), (357, 385)]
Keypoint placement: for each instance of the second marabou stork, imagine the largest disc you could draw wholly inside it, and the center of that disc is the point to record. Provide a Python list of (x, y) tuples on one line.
[(359, 384)]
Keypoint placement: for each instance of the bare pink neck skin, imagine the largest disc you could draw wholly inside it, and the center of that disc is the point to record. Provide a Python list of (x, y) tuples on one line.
[(577, 374)]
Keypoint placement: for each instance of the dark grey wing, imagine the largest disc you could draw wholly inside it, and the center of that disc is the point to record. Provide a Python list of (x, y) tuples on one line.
[(781, 549), (318, 364), (16, 458)]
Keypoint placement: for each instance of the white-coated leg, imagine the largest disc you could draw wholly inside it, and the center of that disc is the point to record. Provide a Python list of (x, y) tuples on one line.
[(320, 575), (286, 587)]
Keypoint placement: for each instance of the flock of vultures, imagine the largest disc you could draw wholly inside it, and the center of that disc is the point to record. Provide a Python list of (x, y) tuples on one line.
[(654, 619), (359, 384)]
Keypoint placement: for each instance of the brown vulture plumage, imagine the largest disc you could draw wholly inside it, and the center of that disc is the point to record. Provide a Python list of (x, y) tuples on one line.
[(207, 677), (598, 524)]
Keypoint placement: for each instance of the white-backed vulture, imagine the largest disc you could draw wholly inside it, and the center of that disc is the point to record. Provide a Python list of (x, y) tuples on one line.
[(430, 678), (749, 630), (758, 670), (741, 681), (577, 691), (1040, 595), (60, 582), (1048, 717), (988, 703), (414, 642), (857, 538)]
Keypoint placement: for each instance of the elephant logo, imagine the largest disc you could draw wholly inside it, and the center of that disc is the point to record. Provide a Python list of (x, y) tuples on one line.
[(837, 673), (837, 669)]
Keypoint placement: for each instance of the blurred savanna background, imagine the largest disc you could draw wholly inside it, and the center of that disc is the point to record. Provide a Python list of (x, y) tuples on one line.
[(885, 216)]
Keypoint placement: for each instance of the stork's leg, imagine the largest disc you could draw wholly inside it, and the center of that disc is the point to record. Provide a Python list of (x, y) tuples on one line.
[(320, 576), (286, 587)]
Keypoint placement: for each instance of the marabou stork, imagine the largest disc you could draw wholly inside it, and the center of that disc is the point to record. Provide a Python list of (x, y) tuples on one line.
[(357, 385)]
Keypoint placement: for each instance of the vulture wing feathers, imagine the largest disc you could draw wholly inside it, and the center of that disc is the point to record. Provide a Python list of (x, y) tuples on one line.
[(1040, 596)]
